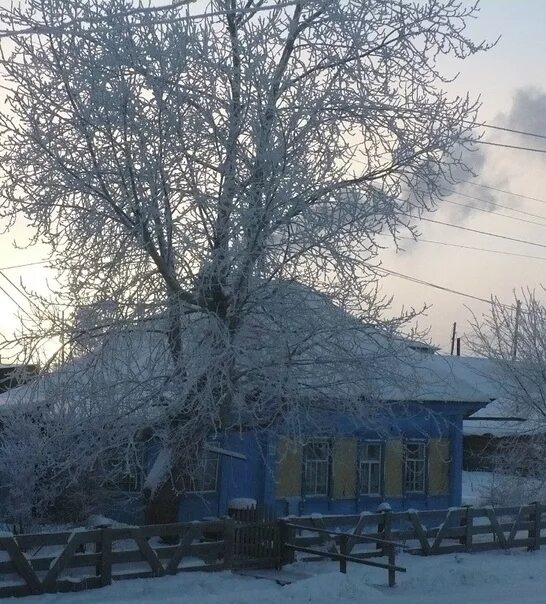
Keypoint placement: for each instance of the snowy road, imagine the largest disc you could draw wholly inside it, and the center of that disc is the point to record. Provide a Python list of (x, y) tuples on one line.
[(495, 577)]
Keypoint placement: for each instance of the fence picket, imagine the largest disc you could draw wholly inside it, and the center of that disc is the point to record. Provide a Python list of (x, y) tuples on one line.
[(256, 539), (534, 529), (106, 557), (496, 527), (22, 565), (469, 525), (193, 532), (148, 553), (61, 562), (420, 531)]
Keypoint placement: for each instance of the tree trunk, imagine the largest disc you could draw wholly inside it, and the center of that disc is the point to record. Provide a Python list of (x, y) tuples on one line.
[(162, 506)]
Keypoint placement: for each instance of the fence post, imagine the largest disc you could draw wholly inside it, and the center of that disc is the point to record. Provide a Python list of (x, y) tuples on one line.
[(384, 510), (286, 535), (387, 525), (466, 521), (229, 542), (106, 556), (389, 548), (392, 564), (343, 543), (534, 528), (103, 546)]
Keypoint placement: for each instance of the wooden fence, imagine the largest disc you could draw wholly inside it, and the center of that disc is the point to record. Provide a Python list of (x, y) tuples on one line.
[(256, 539), (464, 529), (339, 547), (84, 559)]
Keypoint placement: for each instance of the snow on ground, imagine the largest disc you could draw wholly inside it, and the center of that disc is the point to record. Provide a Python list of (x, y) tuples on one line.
[(477, 488), (500, 577), (484, 488)]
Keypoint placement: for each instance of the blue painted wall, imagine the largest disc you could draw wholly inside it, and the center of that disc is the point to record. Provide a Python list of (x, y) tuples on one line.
[(236, 477), (255, 478)]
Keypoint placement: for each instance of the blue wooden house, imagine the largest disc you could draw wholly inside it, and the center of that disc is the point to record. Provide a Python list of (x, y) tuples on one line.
[(410, 456), (398, 441)]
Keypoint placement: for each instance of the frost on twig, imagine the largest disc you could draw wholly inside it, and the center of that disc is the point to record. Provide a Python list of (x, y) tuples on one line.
[(214, 193)]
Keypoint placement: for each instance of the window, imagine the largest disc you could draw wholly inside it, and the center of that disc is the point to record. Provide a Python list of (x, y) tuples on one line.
[(122, 472), (131, 482), (316, 468), (205, 476), (415, 467), (371, 468)]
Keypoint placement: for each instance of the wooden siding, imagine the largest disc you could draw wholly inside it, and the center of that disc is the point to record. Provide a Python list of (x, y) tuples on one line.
[(438, 466), (289, 467), (393, 469), (344, 468)]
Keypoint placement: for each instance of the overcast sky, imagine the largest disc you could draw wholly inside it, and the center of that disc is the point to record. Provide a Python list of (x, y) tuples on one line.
[(511, 80)]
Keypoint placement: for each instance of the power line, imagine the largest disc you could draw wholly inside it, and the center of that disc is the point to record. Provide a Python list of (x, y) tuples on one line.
[(44, 28), (239, 11), (469, 247), (496, 204), (492, 144), (13, 266), (488, 233), (18, 289), (506, 191), (2, 289), (476, 209), (436, 286), (505, 129)]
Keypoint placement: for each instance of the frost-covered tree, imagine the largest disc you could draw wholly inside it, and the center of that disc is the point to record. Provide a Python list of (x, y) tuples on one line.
[(187, 169), (513, 338)]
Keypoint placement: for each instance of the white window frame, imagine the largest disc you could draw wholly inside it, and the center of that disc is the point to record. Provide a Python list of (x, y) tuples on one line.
[(365, 467), (317, 464), (415, 479), (196, 484), (131, 482)]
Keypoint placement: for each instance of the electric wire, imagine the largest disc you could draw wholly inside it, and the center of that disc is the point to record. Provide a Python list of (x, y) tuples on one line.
[(14, 266), (512, 130), (506, 146), (439, 287), (495, 204), (468, 247), (493, 213), (505, 191), (488, 233)]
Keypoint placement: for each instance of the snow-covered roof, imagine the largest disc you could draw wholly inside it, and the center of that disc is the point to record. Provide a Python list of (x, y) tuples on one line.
[(14, 374), (18, 367), (435, 377), (38, 390), (502, 416), (292, 335), (505, 420)]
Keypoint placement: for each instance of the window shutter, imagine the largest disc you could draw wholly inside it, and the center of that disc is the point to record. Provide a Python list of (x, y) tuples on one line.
[(289, 467), (394, 471), (344, 468), (438, 466)]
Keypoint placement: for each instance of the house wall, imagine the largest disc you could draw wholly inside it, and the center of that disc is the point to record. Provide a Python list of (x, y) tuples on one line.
[(442, 432), (236, 477), (272, 473)]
